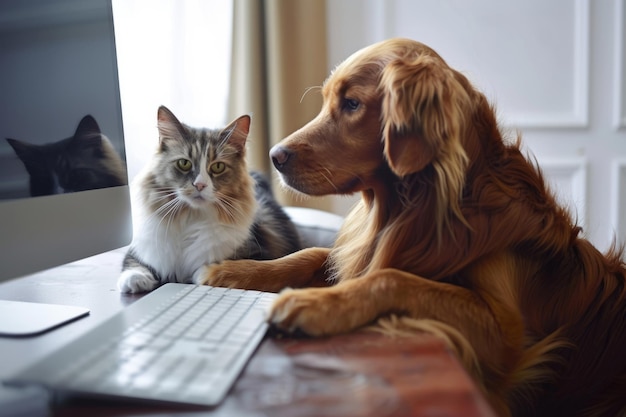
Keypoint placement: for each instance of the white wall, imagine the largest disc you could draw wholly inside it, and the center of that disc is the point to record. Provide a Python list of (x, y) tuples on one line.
[(555, 70), (172, 53)]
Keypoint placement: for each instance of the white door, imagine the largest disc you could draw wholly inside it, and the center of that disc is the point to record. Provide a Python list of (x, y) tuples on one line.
[(555, 70)]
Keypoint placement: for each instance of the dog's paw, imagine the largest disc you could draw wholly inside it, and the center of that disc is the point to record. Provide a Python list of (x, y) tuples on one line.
[(201, 276), (134, 281), (316, 311), (224, 274)]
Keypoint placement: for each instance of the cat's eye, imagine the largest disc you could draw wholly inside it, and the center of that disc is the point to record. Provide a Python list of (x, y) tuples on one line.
[(218, 167), (184, 164)]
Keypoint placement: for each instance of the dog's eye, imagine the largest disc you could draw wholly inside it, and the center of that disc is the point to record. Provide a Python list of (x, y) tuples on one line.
[(350, 104)]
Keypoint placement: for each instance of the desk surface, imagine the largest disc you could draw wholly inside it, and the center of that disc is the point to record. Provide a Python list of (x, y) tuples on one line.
[(357, 374)]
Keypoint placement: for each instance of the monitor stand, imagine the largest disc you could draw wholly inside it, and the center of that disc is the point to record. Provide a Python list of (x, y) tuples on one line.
[(19, 318)]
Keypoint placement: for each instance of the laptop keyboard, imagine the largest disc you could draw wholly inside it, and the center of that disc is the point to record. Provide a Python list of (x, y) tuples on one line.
[(188, 349)]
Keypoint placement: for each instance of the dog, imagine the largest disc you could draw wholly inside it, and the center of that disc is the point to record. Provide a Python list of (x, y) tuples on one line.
[(456, 233)]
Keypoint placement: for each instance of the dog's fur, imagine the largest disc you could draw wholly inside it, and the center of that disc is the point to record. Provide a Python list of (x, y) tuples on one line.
[(456, 231)]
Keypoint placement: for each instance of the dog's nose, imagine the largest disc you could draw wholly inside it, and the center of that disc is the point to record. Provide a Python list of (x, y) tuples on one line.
[(279, 156)]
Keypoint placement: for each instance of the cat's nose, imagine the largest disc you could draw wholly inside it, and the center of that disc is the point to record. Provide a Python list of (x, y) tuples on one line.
[(199, 184), (280, 156)]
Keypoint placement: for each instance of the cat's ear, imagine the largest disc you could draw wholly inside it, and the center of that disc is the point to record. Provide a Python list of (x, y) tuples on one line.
[(23, 150), (168, 125), (236, 133), (87, 127), (87, 135), (31, 155)]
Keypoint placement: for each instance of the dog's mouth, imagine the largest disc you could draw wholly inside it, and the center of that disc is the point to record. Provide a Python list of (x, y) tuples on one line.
[(297, 183), (306, 174), (318, 184)]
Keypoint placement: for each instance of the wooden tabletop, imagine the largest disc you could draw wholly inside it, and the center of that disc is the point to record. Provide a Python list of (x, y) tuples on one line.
[(362, 373)]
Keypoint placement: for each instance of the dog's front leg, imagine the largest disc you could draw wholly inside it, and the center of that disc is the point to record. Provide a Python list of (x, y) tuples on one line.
[(356, 302), (300, 269)]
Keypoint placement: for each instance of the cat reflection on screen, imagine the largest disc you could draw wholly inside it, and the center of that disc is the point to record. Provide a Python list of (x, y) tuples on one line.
[(84, 161)]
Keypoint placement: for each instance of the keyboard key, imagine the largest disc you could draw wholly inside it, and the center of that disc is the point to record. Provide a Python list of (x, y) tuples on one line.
[(180, 375)]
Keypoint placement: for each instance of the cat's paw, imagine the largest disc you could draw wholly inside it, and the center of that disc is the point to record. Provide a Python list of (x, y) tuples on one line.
[(134, 281)]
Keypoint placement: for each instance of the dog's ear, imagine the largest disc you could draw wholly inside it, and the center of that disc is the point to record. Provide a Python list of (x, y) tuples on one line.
[(424, 108)]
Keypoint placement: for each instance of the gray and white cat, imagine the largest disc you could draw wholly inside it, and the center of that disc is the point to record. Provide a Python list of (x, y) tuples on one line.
[(197, 204)]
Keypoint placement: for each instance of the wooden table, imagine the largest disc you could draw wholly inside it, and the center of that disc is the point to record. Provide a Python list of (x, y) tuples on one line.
[(359, 374)]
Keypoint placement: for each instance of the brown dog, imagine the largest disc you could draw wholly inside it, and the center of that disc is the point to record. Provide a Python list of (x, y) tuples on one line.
[(456, 231)]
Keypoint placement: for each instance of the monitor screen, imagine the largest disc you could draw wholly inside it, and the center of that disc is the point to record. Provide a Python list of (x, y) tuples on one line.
[(63, 181)]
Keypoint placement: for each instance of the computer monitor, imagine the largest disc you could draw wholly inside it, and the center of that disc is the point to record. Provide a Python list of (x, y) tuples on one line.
[(63, 184)]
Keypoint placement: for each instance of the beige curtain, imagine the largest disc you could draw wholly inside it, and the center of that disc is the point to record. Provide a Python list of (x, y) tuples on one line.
[(279, 51)]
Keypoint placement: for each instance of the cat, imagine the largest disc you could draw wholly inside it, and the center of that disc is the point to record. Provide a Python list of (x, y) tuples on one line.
[(84, 161), (198, 204)]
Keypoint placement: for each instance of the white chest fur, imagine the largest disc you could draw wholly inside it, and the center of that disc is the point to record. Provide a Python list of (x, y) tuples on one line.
[(176, 248)]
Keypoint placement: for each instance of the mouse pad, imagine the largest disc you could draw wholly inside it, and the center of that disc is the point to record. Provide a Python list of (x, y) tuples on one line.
[(20, 318)]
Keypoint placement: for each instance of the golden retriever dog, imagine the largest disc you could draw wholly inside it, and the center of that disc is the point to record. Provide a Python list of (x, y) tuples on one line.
[(455, 233)]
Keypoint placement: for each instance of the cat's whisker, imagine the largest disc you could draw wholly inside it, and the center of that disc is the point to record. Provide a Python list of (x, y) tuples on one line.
[(227, 136), (229, 208), (164, 209), (161, 211), (165, 198), (160, 208), (173, 207), (164, 193), (225, 154), (232, 205), (171, 215), (161, 197), (226, 199)]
